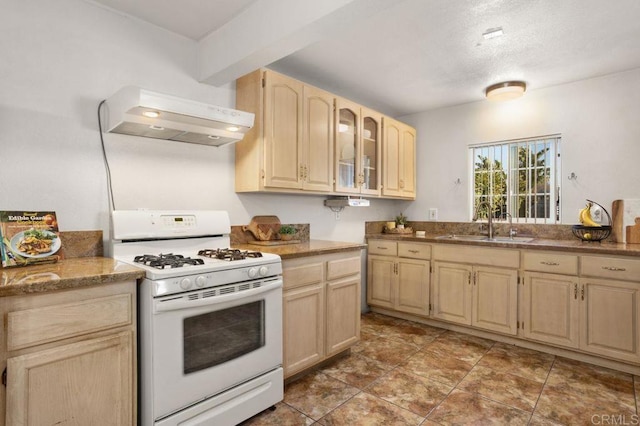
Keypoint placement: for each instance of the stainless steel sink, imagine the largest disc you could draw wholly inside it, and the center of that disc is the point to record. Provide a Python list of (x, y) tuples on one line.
[(484, 238)]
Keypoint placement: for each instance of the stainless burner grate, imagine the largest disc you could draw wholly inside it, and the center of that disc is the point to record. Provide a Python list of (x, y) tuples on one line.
[(168, 260), (229, 254)]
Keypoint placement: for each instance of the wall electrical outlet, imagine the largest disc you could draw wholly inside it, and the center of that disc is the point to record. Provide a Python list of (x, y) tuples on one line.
[(433, 214)]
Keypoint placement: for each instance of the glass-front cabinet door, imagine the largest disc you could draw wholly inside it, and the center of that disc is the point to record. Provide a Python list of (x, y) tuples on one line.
[(370, 152), (347, 130), (357, 149)]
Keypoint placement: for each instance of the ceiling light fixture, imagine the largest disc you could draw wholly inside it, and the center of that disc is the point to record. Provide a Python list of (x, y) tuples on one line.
[(151, 114), (492, 33), (506, 91)]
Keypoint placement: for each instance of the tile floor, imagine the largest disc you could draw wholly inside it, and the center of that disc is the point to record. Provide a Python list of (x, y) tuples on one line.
[(405, 373)]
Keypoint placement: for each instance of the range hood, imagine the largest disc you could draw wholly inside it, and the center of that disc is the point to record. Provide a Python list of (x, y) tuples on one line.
[(140, 112)]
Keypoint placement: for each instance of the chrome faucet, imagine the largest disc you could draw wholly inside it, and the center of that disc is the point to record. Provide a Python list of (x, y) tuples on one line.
[(489, 216), (512, 232)]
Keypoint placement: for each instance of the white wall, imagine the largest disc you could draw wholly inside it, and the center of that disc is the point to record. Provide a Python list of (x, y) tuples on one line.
[(59, 60), (599, 120)]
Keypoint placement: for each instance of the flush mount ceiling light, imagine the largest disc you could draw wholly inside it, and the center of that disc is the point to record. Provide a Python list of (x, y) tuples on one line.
[(151, 114), (506, 91)]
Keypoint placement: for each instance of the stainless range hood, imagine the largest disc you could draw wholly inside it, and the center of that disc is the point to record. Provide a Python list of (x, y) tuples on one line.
[(139, 112)]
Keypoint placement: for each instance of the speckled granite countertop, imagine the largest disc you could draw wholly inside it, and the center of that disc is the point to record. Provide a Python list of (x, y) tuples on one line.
[(65, 274), (574, 245), (303, 249)]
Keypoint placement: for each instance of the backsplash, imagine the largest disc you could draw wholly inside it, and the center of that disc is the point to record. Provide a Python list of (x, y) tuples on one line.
[(550, 232)]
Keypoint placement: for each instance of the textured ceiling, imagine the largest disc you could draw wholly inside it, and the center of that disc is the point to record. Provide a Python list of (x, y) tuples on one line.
[(422, 54)]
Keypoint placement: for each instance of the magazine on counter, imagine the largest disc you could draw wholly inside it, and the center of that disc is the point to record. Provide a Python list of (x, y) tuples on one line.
[(29, 238)]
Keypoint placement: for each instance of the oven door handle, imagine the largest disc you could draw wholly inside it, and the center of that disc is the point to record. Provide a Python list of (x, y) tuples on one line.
[(184, 303)]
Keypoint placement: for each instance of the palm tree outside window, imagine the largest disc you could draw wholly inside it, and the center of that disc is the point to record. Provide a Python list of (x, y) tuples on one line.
[(518, 177)]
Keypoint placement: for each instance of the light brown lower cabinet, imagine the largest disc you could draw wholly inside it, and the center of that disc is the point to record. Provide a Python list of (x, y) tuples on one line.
[(480, 296), (321, 308), (70, 357)]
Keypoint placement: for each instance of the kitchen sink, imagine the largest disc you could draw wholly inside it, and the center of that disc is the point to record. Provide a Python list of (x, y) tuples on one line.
[(484, 238)]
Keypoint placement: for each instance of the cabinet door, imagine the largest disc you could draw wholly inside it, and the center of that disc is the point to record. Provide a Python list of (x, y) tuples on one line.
[(495, 299), (303, 322), (283, 132), (380, 281), (408, 162), (370, 147), (391, 158), (609, 318), (343, 314), (550, 308), (86, 383), (347, 155), (317, 166), (452, 292), (413, 286)]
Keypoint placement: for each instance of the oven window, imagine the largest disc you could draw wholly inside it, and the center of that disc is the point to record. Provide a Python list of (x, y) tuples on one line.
[(216, 337)]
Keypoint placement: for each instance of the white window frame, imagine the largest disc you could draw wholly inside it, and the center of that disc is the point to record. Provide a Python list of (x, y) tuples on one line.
[(507, 151)]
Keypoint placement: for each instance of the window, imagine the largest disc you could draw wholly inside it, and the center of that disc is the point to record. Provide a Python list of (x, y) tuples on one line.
[(518, 177)]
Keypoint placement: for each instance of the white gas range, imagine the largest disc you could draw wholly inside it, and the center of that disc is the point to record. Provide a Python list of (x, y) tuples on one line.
[(210, 318)]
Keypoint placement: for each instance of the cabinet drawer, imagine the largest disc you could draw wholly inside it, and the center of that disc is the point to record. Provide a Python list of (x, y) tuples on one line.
[(385, 248), (343, 267), (414, 250), (611, 267), (31, 327), (298, 275), (504, 258), (554, 263)]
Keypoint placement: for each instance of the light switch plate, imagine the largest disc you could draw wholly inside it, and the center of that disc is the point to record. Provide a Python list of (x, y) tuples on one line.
[(433, 214)]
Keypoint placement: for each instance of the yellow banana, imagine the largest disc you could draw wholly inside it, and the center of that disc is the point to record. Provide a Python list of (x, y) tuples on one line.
[(585, 217)]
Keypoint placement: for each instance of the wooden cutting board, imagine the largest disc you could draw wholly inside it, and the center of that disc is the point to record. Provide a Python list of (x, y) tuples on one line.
[(633, 232), (263, 228), (623, 214)]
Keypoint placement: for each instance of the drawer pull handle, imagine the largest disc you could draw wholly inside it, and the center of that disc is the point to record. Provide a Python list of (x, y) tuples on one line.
[(381, 248), (550, 263), (414, 251), (613, 268)]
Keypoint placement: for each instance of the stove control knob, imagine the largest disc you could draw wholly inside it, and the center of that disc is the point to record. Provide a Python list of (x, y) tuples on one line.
[(185, 283), (253, 272), (201, 281), (264, 271)]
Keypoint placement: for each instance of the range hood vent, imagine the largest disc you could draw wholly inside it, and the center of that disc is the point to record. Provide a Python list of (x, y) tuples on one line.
[(139, 112)]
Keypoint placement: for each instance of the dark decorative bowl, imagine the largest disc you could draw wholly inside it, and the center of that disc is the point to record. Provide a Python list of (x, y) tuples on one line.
[(591, 233)]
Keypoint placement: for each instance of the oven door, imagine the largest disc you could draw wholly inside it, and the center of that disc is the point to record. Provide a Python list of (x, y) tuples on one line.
[(202, 345)]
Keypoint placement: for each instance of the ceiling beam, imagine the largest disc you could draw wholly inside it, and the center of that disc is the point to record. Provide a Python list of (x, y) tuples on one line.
[(269, 30)]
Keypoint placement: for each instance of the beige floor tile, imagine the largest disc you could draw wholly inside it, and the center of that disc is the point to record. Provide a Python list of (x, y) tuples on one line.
[(387, 351), (562, 404), (356, 370), (519, 361), (316, 394), (411, 332), (502, 387), (412, 392), (443, 369), (467, 408), (578, 392), (461, 346), (282, 415), (367, 410)]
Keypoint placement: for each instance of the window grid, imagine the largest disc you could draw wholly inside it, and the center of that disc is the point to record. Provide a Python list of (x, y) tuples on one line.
[(519, 178)]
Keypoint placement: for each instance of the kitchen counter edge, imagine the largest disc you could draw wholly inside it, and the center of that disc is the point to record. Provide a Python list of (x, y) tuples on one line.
[(65, 274), (619, 249), (304, 249)]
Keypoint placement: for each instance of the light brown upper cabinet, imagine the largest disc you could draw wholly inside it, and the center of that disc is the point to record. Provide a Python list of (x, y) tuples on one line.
[(290, 146), (306, 140), (358, 136), (398, 160)]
